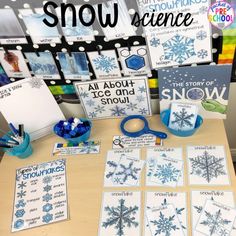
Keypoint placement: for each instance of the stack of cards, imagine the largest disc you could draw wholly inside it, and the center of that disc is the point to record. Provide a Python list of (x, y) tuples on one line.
[(123, 168), (164, 167)]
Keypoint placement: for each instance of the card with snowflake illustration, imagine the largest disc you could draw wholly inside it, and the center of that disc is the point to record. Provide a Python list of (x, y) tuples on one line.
[(106, 65), (120, 214), (128, 171), (153, 157), (216, 219), (40, 195), (112, 163), (113, 98), (134, 61), (164, 220), (178, 199), (183, 116), (198, 200), (207, 165)]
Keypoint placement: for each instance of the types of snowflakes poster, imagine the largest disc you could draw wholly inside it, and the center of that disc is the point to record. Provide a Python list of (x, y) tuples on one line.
[(207, 165), (120, 214)]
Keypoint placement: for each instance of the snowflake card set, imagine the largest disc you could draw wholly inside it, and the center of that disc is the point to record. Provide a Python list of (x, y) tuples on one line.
[(115, 97), (198, 202), (123, 168), (40, 195), (165, 167), (157, 199), (171, 45), (207, 165), (120, 214)]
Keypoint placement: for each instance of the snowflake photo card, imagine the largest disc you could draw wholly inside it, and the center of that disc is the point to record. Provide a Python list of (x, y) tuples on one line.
[(183, 116), (156, 199), (120, 214), (216, 219), (207, 165), (198, 201), (128, 171), (154, 154), (112, 163), (164, 221), (105, 65)]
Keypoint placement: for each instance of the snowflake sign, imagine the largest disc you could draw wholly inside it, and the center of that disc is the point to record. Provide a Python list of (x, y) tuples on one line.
[(104, 63)]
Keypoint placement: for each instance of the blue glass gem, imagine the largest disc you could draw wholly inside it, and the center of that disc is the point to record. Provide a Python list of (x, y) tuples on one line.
[(135, 62)]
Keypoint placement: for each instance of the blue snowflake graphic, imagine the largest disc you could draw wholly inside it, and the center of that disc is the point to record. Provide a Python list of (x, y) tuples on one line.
[(127, 172), (21, 185), (200, 208), (47, 188), (92, 114), (21, 203), (155, 42), (19, 224), (105, 63), (99, 109), (203, 10), (21, 194), (201, 35), (117, 111), (90, 103), (195, 94), (142, 89), (20, 213), (47, 207), (132, 106), (47, 218), (47, 197), (140, 98), (121, 217), (89, 149), (182, 119), (207, 166), (202, 53), (215, 222), (47, 179), (143, 111), (179, 48), (84, 94), (111, 164), (43, 165), (167, 173), (164, 225)]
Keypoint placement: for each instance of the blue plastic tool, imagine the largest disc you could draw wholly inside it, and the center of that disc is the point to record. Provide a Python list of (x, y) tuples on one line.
[(145, 130)]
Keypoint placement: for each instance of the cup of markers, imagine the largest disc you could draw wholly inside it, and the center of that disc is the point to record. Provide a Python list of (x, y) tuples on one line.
[(17, 142)]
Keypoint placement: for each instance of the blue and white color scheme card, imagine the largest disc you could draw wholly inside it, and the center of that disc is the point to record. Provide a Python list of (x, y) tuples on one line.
[(120, 214), (40, 195)]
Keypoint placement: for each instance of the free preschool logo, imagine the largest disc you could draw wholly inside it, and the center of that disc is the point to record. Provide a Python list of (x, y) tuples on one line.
[(221, 14)]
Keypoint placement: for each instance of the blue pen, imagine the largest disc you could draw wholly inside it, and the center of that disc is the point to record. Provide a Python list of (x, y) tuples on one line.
[(8, 141), (8, 144), (13, 129)]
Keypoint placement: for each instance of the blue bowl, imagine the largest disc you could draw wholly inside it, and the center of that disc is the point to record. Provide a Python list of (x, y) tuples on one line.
[(80, 139), (165, 117), (23, 150)]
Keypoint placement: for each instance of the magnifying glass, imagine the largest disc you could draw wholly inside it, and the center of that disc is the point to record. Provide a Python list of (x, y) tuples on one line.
[(118, 142), (144, 130)]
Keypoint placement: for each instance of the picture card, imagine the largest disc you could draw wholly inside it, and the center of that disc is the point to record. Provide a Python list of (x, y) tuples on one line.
[(79, 32), (216, 219), (3, 77), (105, 65), (134, 60), (74, 67), (153, 154), (183, 116), (206, 86), (40, 195), (156, 217), (114, 98), (30, 96), (123, 28), (10, 29), (43, 65), (177, 199), (207, 165), (128, 171), (120, 214), (68, 149), (112, 162), (39, 32), (198, 200), (146, 140), (178, 45), (14, 64)]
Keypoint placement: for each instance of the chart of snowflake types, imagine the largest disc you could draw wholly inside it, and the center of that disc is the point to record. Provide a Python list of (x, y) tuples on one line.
[(40, 195)]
